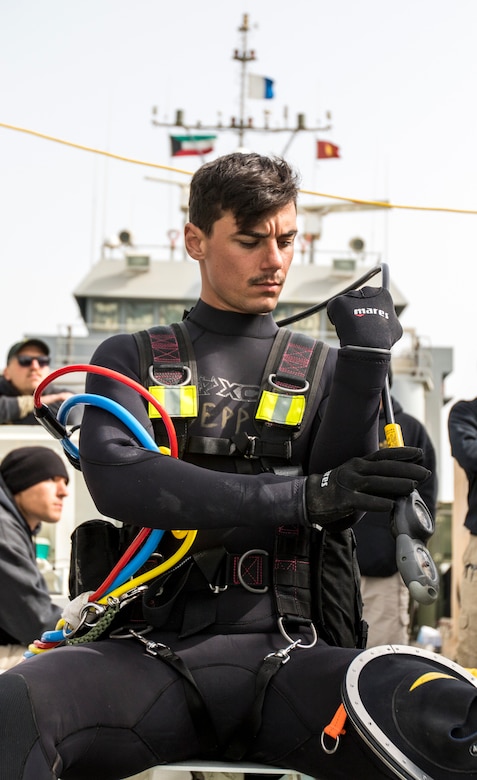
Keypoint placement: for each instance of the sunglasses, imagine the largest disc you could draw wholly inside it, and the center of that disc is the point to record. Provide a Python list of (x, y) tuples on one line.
[(26, 360)]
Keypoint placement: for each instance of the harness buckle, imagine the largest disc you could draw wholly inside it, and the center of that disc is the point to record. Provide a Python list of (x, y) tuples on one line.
[(217, 588), (251, 446)]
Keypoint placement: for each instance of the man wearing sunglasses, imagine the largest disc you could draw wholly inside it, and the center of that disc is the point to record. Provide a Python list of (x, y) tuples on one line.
[(28, 363)]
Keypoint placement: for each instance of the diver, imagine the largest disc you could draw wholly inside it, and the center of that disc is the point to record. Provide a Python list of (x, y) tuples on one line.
[(235, 652)]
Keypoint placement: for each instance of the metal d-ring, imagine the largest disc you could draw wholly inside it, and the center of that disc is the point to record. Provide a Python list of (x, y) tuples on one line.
[(284, 633), (185, 370), (240, 575), (333, 749), (303, 389)]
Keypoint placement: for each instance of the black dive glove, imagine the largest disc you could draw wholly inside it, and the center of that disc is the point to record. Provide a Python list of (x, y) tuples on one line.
[(365, 318), (337, 499)]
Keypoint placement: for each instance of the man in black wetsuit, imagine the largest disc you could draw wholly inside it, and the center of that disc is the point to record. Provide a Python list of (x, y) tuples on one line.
[(113, 707)]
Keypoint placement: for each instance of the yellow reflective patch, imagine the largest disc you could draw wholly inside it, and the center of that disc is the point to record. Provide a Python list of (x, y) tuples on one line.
[(280, 408), (177, 401), (424, 678)]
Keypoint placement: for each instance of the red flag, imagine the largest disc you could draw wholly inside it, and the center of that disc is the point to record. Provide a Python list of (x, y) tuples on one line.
[(326, 150)]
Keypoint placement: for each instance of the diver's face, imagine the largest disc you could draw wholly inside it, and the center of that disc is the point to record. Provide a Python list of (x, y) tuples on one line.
[(244, 270)]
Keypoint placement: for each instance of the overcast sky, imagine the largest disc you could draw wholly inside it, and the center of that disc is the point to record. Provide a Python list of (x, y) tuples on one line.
[(399, 81)]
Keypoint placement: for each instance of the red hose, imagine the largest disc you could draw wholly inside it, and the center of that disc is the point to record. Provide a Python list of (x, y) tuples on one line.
[(91, 369)]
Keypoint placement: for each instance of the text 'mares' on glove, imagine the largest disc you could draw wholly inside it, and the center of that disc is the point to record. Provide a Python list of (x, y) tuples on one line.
[(337, 499), (365, 318)]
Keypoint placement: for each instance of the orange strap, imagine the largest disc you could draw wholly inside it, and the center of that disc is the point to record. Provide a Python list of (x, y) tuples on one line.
[(336, 727)]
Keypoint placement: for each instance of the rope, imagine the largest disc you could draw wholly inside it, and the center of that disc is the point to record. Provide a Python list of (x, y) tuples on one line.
[(98, 628), (122, 158), (91, 149)]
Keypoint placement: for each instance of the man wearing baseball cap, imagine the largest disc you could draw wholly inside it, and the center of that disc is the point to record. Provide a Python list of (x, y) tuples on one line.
[(28, 364), (33, 486)]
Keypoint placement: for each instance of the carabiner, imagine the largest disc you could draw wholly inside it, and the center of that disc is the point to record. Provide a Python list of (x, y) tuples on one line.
[(128, 596), (284, 653)]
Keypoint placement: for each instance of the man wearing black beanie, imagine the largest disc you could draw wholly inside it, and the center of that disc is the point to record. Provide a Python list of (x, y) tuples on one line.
[(33, 486)]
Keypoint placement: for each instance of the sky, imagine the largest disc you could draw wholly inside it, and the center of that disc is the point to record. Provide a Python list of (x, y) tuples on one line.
[(397, 78)]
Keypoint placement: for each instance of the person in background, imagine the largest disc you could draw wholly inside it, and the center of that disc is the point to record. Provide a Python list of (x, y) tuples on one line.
[(33, 486), (385, 596), (28, 363), (462, 427)]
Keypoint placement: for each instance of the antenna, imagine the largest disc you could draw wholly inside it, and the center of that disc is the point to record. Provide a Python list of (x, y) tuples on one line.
[(238, 124)]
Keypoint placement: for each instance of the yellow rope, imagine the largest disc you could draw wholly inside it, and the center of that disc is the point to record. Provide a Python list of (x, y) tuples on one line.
[(361, 201), (91, 149), (386, 205)]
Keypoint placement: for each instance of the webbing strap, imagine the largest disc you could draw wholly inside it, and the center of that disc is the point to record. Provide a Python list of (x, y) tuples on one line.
[(292, 574), (295, 365), (241, 741), (170, 353), (199, 713), (301, 362), (296, 360)]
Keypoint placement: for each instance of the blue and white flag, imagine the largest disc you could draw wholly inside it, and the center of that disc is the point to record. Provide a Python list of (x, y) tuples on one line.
[(260, 87)]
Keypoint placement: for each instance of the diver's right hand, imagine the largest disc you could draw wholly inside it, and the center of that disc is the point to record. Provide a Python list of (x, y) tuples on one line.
[(336, 499)]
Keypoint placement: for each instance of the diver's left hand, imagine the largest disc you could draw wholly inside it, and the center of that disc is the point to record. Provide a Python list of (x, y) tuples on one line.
[(365, 318)]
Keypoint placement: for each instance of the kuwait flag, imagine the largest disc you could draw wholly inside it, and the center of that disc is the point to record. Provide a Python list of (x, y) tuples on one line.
[(260, 87), (182, 145)]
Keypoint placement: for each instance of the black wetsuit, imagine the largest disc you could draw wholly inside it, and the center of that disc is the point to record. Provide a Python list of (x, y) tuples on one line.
[(106, 709)]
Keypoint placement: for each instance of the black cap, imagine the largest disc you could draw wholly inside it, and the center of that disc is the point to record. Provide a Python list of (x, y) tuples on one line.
[(26, 466), (16, 348)]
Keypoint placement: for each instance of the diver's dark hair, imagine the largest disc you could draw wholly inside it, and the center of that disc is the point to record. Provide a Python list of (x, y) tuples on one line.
[(249, 185)]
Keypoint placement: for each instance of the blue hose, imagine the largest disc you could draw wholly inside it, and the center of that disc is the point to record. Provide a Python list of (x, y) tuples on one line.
[(90, 399)]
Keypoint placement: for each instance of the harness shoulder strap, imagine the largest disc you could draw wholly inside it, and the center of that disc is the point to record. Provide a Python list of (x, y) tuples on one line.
[(165, 354), (168, 368), (290, 382)]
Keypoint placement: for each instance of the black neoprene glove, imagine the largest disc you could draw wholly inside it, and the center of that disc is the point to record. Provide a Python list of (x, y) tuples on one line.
[(365, 318), (336, 499)]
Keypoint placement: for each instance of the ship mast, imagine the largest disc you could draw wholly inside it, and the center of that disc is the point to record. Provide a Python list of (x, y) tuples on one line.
[(243, 57), (239, 125)]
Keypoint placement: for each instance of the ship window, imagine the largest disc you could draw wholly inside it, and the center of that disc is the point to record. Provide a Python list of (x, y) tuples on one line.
[(105, 315), (139, 314), (171, 312)]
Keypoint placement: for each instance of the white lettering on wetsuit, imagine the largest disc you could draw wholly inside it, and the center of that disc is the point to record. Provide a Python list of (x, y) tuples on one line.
[(225, 389), (229, 404)]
